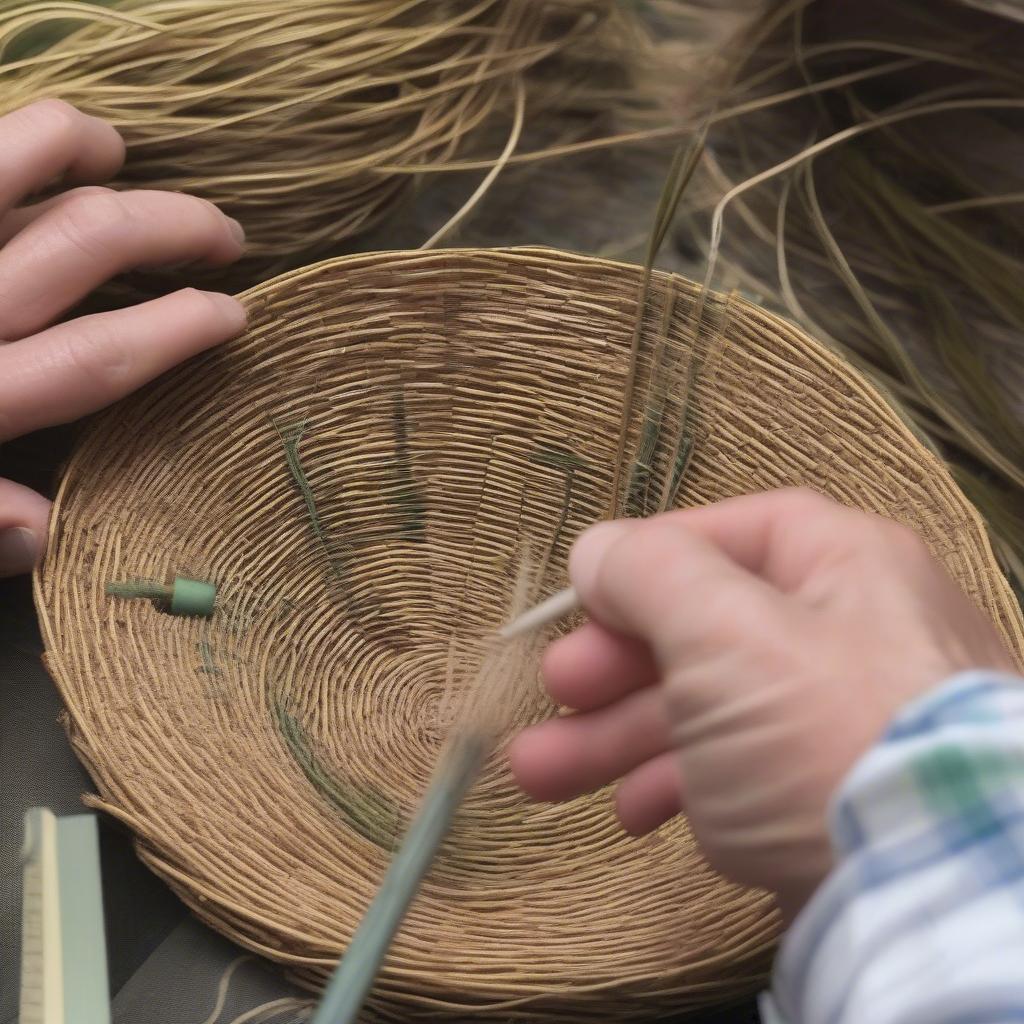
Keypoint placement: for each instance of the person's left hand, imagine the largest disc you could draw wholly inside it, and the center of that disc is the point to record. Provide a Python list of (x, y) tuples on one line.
[(54, 253)]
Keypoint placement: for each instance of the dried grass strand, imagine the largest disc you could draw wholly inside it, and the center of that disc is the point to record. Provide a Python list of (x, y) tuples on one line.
[(452, 224), (222, 988)]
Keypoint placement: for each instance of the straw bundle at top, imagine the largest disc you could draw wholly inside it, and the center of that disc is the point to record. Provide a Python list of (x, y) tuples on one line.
[(361, 474), (307, 122)]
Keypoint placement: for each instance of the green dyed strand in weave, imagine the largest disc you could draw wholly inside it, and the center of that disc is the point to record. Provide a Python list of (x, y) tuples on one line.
[(680, 465), (680, 457), (290, 437), (570, 464), (558, 458), (404, 493), (643, 462), (685, 439), (365, 809), (570, 477), (208, 667), (684, 164), (642, 470), (147, 590)]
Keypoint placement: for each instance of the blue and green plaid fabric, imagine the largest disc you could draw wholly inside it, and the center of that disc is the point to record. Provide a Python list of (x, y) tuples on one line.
[(922, 919)]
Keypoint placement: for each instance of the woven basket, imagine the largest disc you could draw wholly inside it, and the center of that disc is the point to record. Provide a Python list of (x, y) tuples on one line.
[(456, 408)]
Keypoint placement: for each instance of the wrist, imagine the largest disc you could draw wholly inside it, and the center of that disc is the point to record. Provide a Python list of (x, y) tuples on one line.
[(927, 831), (941, 706)]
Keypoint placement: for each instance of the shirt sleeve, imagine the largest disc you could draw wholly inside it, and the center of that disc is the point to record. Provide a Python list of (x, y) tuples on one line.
[(922, 919)]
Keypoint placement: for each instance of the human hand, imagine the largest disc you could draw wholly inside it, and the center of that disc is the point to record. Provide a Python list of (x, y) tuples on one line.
[(740, 658), (52, 254)]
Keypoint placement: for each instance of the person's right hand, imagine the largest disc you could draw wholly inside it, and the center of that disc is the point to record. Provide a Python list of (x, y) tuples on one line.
[(53, 253), (741, 658)]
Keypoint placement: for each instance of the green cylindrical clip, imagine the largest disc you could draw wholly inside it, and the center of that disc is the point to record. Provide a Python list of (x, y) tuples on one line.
[(193, 597), (183, 597)]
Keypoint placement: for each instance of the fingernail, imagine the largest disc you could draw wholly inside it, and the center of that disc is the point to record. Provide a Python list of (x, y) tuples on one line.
[(590, 549), (19, 550), (237, 230)]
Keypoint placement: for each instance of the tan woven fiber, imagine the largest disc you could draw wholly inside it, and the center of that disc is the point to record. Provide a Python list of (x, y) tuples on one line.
[(458, 408), (298, 118)]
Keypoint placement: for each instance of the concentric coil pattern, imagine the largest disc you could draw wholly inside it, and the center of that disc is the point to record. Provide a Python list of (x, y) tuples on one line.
[(361, 474)]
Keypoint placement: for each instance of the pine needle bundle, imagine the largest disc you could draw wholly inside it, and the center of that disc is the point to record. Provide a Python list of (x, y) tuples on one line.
[(308, 122), (863, 176)]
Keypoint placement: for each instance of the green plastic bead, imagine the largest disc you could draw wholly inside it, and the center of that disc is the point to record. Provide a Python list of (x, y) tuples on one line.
[(193, 597)]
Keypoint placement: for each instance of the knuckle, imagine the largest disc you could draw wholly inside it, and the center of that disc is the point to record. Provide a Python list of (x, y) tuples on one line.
[(628, 556), (53, 116), (100, 356), (726, 613), (218, 311), (201, 300), (659, 538), (178, 205), (188, 223), (213, 219), (91, 219), (93, 208)]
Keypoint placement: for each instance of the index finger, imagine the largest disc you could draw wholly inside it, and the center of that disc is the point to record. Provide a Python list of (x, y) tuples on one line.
[(78, 367)]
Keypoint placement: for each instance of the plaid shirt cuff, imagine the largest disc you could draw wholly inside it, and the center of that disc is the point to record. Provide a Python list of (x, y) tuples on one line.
[(922, 919)]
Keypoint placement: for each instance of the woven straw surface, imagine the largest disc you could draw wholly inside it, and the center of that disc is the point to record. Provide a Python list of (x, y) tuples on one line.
[(457, 407)]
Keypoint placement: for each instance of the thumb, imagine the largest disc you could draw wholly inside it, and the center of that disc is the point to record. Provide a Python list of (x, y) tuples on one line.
[(23, 526)]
